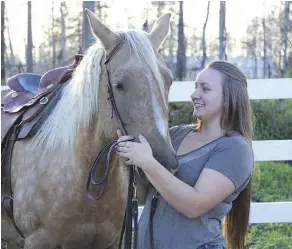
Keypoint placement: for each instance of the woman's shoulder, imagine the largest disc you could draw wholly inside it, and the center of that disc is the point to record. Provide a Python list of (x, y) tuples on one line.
[(235, 141), (236, 145), (233, 156)]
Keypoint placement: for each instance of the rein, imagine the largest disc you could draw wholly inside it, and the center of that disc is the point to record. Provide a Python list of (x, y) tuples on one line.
[(131, 212)]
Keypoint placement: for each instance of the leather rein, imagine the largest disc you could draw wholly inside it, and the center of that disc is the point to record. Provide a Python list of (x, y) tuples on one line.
[(131, 212)]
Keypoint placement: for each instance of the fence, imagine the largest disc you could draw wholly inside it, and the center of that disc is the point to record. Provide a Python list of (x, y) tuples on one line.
[(264, 150)]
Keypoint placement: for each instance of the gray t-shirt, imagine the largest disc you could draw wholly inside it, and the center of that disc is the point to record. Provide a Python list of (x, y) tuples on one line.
[(233, 157)]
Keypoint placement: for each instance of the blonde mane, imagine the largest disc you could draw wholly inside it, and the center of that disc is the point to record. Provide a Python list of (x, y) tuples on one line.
[(79, 99)]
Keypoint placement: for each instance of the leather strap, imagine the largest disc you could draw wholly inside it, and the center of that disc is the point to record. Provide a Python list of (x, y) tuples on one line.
[(152, 212), (7, 199), (116, 48), (103, 182)]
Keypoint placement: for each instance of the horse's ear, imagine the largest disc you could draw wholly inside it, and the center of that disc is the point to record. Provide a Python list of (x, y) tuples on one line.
[(101, 31), (160, 30)]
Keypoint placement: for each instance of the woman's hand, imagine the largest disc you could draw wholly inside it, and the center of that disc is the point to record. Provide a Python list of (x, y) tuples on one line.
[(139, 154)]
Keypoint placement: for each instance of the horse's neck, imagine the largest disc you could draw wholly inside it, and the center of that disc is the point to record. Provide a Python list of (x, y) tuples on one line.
[(100, 130), (89, 145)]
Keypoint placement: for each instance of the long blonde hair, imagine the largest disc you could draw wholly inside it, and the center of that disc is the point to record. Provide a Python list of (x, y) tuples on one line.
[(236, 117)]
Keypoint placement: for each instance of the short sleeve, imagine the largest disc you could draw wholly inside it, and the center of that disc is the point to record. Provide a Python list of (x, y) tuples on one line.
[(233, 157)]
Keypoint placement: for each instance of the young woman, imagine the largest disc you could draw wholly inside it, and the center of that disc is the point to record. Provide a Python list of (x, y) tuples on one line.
[(215, 167)]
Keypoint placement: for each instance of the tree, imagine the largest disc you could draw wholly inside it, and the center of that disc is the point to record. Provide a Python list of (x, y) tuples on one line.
[(62, 37), (204, 47), (62, 53), (160, 7), (53, 38), (145, 26), (285, 31), (11, 58), (3, 47), (251, 44), (222, 30), (181, 50), (264, 47), (29, 60)]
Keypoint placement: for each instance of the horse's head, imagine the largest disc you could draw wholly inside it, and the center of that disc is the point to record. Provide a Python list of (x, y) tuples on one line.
[(140, 84)]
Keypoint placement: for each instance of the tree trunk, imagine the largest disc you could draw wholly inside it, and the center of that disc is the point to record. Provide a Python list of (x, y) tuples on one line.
[(255, 57), (204, 47), (181, 51), (265, 48), (99, 10), (286, 25), (3, 48), (145, 26), (63, 31), (160, 7), (53, 38), (172, 40), (12, 56), (221, 30), (29, 61), (87, 37)]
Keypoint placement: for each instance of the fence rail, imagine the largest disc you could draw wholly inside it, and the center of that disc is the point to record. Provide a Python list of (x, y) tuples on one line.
[(257, 89), (265, 212)]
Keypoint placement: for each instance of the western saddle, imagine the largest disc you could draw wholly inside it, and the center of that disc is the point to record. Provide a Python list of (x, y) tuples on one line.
[(23, 104)]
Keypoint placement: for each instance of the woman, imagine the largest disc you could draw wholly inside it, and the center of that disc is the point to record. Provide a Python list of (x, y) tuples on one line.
[(215, 167)]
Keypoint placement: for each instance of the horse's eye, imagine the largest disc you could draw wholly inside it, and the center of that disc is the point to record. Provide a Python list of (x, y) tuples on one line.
[(119, 86)]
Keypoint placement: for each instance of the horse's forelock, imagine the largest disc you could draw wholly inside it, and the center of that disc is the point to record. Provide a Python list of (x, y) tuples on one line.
[(142, 47)]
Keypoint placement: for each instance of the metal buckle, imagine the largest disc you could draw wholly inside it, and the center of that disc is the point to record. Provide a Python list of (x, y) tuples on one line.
[(44, 100)]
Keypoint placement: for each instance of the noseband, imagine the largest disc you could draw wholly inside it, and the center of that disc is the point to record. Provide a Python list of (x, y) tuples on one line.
[(131, 212)]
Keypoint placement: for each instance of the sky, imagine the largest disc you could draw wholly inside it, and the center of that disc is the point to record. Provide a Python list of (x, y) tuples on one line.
[(238, 13)]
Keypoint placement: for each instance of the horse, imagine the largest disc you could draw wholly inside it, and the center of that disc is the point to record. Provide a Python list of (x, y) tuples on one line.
[(49, 170)]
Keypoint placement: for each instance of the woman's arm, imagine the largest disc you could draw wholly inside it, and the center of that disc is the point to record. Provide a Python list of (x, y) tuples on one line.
[(226, 170), (211, 189)]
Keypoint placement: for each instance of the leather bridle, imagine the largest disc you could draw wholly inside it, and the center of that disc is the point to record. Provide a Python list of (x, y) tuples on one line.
[(131, 212)]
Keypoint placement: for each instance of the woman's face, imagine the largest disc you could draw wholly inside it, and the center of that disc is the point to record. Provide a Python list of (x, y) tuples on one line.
[(207, 96)]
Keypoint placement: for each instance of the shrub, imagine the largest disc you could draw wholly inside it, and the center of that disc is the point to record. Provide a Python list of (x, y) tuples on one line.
[(272, 182)]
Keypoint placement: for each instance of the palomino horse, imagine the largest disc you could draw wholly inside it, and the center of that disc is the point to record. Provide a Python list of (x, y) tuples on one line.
[(49, 170)]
